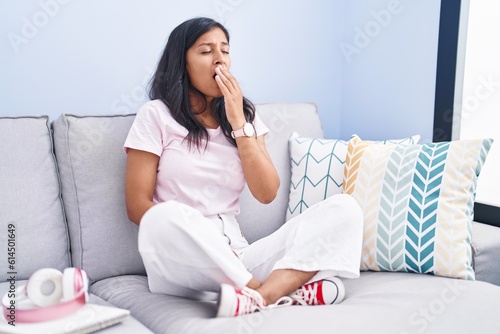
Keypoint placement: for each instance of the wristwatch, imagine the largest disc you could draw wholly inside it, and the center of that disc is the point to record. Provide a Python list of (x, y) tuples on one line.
[(247, 131)]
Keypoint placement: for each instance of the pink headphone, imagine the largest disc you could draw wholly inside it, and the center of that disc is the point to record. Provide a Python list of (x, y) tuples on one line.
[(48, 295)]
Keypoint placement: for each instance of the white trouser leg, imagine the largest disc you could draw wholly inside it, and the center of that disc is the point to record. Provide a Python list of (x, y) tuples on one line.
[(185, 253), (326, 238)]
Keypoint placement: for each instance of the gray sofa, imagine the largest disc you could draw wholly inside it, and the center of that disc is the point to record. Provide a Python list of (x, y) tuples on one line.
[(62, 186)]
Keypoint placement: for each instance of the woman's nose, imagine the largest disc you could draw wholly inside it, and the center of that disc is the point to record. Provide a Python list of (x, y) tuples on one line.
[(219, 58)]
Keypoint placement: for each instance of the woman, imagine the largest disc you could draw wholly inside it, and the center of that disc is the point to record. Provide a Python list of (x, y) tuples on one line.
[(190, 152)]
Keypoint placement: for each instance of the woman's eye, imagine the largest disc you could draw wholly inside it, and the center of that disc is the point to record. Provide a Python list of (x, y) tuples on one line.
[(206, 52)]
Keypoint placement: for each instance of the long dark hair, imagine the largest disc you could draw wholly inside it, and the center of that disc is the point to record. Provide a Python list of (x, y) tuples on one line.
[(171, 84)]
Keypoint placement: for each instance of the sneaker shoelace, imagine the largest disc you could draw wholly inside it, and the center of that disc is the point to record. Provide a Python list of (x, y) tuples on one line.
[(307, 294), (250, 301)]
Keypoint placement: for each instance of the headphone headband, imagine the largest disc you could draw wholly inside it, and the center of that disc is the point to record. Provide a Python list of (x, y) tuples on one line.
[(48, 312), (38, 314)]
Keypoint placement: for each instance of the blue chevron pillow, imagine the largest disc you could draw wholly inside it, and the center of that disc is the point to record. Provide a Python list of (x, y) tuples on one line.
[(317, 169), (417, 203)]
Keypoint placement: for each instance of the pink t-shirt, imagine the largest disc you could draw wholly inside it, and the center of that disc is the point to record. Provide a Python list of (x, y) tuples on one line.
[(209, 180)]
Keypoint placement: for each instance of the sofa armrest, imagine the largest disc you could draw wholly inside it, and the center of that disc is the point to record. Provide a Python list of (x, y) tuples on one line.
[(486, 246)]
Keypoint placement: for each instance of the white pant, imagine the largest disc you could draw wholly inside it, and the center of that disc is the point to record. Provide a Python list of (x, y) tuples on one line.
[(186, 254)]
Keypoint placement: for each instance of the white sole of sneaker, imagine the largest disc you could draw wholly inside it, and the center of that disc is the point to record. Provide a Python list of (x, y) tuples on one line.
[(226, 303)]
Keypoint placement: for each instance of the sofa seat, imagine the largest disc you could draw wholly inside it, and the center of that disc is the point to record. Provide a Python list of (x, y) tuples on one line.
[(377, 302)]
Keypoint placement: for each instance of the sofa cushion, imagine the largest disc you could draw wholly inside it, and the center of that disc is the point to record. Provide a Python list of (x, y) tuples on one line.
[(92, 166), (259, 220), (318, 169), (417, 202), (30, 198)]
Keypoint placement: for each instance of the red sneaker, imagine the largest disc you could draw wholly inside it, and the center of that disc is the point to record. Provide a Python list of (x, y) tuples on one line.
[(324, 292), (233, 303)]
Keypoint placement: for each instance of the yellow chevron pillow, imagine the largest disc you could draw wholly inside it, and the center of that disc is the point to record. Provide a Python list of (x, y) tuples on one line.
[(417, 202)]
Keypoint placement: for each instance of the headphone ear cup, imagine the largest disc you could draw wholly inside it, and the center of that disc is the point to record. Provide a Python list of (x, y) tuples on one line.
[(85, 284), (45, 287), (22, 299), (69, 283), (85, 281), (74, 280)]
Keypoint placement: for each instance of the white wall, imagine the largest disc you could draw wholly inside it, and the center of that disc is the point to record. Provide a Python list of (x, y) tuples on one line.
[(390, 49), (93, 57)]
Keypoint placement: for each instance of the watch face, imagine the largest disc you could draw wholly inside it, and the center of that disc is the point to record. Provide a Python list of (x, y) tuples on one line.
[(249, 130)]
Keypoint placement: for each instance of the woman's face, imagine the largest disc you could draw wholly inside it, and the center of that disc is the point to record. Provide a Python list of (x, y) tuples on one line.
[(209, 51)]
